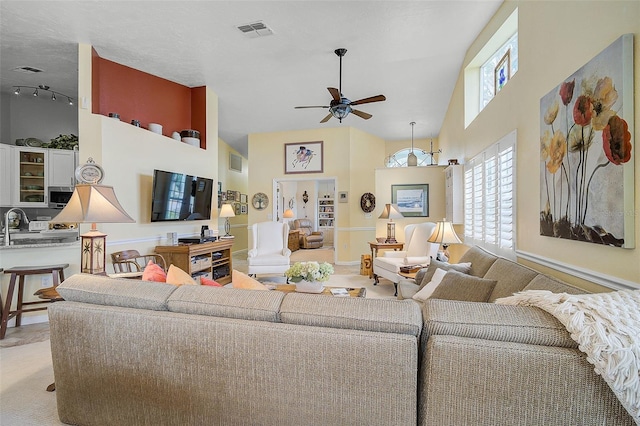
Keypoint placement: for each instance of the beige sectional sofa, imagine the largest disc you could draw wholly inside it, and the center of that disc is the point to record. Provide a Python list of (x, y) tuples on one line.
[(131, 352)]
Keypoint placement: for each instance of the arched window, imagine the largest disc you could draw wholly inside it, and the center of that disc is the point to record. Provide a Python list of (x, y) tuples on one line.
[(399, 159)]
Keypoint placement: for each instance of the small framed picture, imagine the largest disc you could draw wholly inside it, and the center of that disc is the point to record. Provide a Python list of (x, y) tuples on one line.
[(244, 198), (223, 196), (502, 72), (236, 208), (343, 197), (244, 208), (219, 187)]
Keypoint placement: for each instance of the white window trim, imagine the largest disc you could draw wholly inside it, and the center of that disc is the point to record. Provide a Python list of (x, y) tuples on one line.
[(472, 70), (482, 227)]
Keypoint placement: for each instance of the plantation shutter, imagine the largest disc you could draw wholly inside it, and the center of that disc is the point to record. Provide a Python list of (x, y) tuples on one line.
[(489, 198)]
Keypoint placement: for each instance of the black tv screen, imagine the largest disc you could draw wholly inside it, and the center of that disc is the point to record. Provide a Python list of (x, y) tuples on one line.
[(179, 196)]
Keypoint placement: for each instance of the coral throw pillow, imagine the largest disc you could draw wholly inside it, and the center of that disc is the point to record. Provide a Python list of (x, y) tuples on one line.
[(208, 281), (240, 280), (178, 277), (153, 272)]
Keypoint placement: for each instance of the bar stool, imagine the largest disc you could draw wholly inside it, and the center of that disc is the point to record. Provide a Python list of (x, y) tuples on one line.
[(50, 295)]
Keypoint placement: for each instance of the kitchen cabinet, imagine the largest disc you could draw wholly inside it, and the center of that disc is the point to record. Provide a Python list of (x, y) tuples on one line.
[(31, 177), (454, 194), (62, 166), (6, 175), (212, 259)]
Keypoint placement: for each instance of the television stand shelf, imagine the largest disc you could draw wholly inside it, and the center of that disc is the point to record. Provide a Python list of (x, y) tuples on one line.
[(212, 259)]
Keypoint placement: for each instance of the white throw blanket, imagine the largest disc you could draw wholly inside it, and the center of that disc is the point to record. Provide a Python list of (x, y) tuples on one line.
[(606, 327)]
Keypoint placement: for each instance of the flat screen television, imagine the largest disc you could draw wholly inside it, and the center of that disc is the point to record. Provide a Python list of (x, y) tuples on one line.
[(179, 196)]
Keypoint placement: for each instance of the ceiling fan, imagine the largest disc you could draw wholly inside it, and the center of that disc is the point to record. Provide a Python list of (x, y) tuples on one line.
[(340, 106)]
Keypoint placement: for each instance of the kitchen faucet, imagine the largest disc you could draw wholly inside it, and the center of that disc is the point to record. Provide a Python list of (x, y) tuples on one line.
[(6, 223)]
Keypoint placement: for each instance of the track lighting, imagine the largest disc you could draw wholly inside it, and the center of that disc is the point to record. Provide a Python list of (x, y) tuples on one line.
[(40, 87)]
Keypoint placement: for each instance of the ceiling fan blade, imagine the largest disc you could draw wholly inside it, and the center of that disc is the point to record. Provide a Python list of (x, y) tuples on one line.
[(315, 106), (361, 114), (378, 98), (335, 93), (324, 120)]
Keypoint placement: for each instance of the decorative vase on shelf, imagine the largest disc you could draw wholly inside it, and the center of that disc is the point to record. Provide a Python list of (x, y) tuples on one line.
[(309, 286)]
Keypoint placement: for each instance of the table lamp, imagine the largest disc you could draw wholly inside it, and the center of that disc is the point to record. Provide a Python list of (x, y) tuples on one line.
[(444, 234), (227, 211), (93, 204), (390, 212), (288, 214)]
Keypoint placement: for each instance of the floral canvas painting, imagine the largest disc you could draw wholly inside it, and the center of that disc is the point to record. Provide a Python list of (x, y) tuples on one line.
[(586, 152)]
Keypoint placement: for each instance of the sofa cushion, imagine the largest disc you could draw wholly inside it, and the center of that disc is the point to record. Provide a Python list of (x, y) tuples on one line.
[(178, 277), (426, 291), (511, 276), (390, 316), (481, 260), (227, 302), (545, 282), (153, 272), (458, 286), (244, 281), (436, 264), (100, 290)]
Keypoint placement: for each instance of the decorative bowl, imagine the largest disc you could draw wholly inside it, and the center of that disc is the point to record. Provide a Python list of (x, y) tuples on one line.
[(188, 133)]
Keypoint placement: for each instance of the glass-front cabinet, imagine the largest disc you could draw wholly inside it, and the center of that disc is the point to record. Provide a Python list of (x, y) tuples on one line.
[(32, 177)]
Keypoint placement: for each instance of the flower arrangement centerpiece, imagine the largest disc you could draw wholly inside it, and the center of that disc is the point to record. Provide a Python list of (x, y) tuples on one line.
[(309, 277)]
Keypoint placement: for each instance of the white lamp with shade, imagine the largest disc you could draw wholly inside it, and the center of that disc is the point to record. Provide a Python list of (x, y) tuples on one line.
[(227, 211), (391, 212), (288, 214), (92, 203), (444, 234)]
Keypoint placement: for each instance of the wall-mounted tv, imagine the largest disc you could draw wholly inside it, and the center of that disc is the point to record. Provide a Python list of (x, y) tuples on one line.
[(179, 196)]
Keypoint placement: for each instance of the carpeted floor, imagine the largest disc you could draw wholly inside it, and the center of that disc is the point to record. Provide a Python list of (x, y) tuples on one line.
[(25, 353)]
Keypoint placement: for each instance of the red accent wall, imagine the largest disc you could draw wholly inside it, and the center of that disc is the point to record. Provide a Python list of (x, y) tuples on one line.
[(137, 95)]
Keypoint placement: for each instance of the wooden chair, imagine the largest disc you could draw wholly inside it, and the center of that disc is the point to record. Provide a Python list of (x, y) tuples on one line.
[(133, 261)]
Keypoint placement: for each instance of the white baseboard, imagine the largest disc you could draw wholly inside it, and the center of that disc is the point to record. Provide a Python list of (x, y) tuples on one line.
[(585, 274), (29, 319)]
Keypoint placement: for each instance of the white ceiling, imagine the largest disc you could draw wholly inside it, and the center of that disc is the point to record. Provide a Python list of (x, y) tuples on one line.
[(410, 51)]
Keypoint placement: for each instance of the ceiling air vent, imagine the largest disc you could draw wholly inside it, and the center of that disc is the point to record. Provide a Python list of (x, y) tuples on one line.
[(255, 29), (27, 70)]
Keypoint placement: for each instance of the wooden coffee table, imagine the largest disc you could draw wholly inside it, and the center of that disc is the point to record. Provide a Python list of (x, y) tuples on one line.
[(353, 292)]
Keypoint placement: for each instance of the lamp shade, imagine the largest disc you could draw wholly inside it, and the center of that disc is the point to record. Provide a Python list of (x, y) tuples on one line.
[(227, 211), (93, 204), (288, 214), (444, 234), (390, 212)]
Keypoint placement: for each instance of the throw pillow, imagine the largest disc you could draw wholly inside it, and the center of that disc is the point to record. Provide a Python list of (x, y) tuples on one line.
[(208, 281), (240, 280), (178, 277), (465, 268), (153, 272), (428, 289), (458, 286)]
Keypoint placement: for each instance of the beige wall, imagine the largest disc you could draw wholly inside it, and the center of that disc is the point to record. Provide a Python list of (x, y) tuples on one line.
[(236, 181), (356, 160), (555, 39)]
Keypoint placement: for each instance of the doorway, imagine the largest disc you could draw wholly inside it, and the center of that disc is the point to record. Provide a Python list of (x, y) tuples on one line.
[(319, 207)]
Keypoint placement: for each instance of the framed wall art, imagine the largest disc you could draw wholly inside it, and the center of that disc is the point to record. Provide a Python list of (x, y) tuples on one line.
[(412, 199), (343, 197), (303, 157), (586, 152)]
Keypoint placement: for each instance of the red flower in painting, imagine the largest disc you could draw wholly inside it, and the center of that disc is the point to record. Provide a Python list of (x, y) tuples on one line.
[(582, 110), (616, 141), (566, 91)]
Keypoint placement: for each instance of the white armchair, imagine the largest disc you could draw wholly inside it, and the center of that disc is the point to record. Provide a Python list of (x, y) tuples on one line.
[(417, 251), (270, 254)]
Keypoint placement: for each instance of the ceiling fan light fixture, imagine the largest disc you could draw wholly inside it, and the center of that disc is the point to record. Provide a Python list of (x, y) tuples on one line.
[(53, 96), (35, 92), (17, 91)]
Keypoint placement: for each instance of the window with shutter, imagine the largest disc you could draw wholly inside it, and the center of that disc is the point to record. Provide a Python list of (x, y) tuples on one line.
[(489, 195)]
